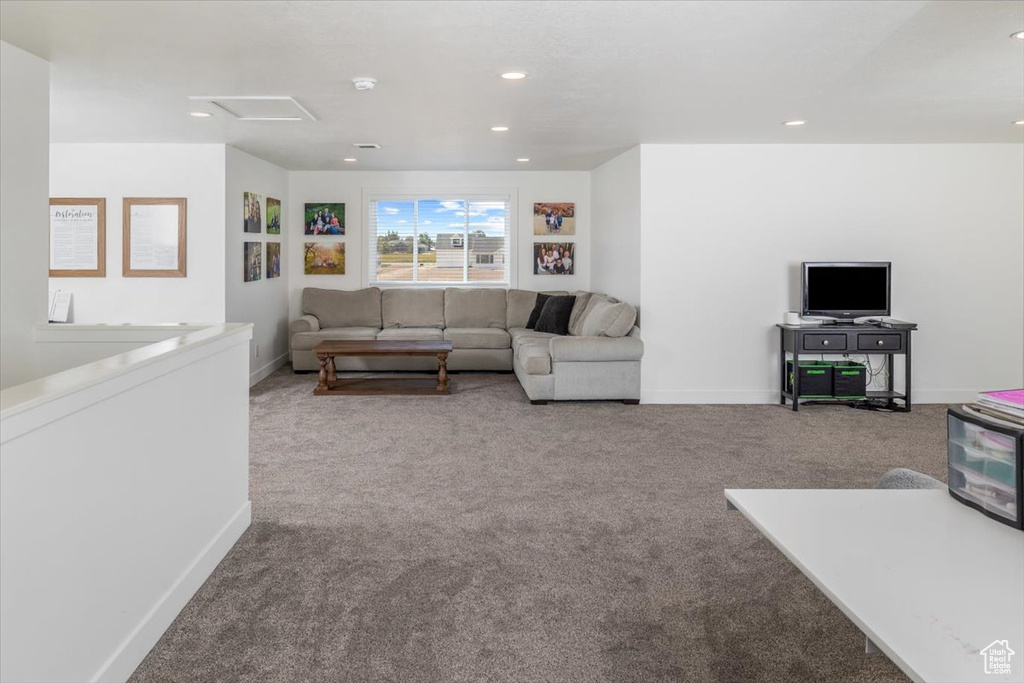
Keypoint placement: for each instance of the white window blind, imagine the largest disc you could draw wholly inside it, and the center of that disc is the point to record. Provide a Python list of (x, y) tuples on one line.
[(421, 240)]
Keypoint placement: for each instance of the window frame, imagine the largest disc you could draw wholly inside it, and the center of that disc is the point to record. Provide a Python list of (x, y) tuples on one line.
[(372, 195)]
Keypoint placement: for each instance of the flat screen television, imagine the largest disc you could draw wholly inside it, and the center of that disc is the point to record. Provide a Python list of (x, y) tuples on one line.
[(846, 290)]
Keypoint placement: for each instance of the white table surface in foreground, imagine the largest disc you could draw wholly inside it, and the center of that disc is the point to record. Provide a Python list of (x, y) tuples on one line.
[(930, 581)]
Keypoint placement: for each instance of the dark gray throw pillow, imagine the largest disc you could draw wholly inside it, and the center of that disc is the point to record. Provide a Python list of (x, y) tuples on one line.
[(537, 308), (555, 315)]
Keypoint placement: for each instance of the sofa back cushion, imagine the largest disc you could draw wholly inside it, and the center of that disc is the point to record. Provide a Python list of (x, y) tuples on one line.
[(412, 308), (340, 308), (578, 308), (520, 304), (607, 318), (475, 307)]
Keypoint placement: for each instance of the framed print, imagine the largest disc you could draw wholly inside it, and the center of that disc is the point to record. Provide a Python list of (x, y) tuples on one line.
[(154, 237), (253, 261), (554, 218), (324, 258), (324, 219), (273, 216), (252, 216), (78, 237), (554, 258), (273, 260)]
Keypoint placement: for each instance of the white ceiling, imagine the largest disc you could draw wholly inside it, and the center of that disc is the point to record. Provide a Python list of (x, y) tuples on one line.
[(604, 76)]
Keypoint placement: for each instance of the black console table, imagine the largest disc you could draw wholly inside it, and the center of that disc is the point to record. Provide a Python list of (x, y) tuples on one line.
[(852, 339)]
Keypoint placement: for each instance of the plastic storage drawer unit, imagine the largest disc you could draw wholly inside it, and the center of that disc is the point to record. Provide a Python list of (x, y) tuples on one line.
[(815, 378), (985, 465), (849, 380)]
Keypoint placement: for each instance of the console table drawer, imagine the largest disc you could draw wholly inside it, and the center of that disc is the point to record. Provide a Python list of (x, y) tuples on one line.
[(824, 342), (874, 342)]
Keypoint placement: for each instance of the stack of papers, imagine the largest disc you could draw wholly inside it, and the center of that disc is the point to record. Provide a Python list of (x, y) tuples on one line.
[(1006, 405)]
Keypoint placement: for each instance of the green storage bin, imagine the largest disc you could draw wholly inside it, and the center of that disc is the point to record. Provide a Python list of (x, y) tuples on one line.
[(815, 378), (849, 380)]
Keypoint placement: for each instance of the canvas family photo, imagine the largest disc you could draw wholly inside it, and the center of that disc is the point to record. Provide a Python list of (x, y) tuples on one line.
[(554, 218), (325, 219), (273, 216), (251, 212), (554, 258), (253, 261), (273, 259), (325, 258)]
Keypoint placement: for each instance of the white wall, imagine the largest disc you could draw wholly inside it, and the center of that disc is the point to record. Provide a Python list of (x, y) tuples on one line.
[(725, 228), (347, 186), (24, 216), (615, 227), (116, 171), (262, 302), (104, 540)]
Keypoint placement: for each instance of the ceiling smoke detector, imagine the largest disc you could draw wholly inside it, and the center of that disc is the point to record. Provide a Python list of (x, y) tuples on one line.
[(364, 83)]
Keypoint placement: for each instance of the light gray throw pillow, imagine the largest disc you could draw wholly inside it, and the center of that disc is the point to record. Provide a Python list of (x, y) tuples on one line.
[(576, 317), (608, 319)]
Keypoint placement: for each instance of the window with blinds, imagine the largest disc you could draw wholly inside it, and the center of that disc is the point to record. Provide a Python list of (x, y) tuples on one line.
[(451, 240)]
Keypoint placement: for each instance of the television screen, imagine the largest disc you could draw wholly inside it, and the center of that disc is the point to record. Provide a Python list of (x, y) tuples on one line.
[(846, 290)]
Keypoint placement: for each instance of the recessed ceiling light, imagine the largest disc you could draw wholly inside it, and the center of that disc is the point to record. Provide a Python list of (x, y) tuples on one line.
[(350, 159), (523, 160), (200, 114), (499, 129), (513, 76), (1019, 35), (794, 123)]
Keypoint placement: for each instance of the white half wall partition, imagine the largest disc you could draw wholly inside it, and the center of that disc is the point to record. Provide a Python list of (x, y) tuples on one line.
[(122, 484)]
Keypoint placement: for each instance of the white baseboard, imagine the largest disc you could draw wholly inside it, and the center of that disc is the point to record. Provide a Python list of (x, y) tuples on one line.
[(709, 397), (772, 397), (268, 369), (137, 645)]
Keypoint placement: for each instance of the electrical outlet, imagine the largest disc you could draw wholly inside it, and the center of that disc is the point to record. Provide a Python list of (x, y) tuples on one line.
[(257, 350)]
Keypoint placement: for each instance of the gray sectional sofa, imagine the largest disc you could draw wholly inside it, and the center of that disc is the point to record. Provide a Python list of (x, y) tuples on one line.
[(598, 359)]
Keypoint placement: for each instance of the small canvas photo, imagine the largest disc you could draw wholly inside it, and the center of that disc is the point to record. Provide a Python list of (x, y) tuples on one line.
[(554, 258), (273, 216), (325, 219), (325, 258), (273, 259), (252, 215), (554, 218), (253, 261)]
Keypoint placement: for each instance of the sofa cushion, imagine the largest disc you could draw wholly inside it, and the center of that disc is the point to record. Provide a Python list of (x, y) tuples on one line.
[(340, 308), (555, 316), (477, 338), (412, 308), (521, 335), (305, 341), (519, 304), (411, 333), (534, 358), (475, 307), (576, 319), (538, 308), (608, 319)]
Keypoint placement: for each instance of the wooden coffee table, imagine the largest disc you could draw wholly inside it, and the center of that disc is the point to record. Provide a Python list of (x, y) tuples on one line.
[(330, 385)]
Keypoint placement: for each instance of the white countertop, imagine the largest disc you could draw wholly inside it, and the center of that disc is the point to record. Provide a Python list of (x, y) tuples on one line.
[(929, 580)]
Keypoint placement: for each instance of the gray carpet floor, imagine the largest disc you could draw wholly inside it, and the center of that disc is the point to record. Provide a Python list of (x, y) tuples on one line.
[(474, 537)]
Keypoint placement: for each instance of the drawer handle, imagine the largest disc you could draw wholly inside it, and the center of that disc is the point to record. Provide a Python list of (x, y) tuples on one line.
[(880, 342), (825, 343)]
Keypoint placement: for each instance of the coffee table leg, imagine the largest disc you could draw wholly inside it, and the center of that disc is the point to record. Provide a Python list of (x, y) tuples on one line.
[(442, 372), (322, 381), (332, 376)]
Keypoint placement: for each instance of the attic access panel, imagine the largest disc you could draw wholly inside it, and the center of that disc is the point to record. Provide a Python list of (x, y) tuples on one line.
[(259, 107)]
